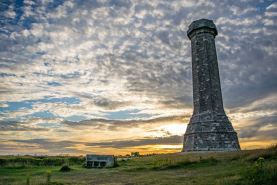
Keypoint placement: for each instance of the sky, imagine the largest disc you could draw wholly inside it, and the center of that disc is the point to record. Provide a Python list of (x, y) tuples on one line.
[(114, 76)]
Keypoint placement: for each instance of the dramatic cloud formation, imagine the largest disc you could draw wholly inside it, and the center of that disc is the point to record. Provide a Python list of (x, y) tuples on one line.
[(114, 76)]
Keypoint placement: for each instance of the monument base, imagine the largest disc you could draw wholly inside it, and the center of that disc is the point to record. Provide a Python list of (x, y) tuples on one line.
[(211, 142), (208, 134)]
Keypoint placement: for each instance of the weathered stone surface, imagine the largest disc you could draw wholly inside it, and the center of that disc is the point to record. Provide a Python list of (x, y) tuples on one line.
[(209, 128)]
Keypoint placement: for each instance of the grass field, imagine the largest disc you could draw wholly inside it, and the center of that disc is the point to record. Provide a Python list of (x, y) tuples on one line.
[(255, 167)]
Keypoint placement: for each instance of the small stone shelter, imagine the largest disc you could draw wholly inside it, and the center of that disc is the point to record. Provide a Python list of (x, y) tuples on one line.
[(99, 161)]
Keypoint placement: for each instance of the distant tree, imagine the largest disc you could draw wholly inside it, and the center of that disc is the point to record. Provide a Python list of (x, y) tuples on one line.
[(135, 154)]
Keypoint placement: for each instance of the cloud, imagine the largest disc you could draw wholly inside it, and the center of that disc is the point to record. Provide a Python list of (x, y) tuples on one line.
[(64, 146), (121, 124), (264, 127), (56, 147), (18, 126), (10, 12), (272, 6), (264, 105), (171, 140)]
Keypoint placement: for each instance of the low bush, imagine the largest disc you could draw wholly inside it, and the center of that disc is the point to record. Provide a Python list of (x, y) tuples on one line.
[(256, 174), (259, 174), (65, 168)]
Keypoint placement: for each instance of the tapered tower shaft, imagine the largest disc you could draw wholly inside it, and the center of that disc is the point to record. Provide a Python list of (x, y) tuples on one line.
[(209, 127)]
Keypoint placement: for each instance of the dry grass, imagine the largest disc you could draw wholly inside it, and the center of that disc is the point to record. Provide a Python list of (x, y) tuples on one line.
[(194, 168)]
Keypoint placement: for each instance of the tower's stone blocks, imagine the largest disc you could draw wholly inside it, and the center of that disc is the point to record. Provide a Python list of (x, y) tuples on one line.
[(209, 128)]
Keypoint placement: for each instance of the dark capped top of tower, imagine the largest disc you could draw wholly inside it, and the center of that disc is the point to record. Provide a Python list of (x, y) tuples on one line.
[(200, 24)]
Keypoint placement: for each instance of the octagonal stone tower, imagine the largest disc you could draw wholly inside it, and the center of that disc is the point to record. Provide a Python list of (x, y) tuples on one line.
[(209, 128)]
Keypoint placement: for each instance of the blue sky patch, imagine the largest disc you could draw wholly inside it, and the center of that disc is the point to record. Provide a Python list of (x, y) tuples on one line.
[(28, 104), (54, 84), (43, 114), (75, 118)]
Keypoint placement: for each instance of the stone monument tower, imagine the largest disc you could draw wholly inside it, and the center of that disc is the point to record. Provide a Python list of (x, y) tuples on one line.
[(209, 128)]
